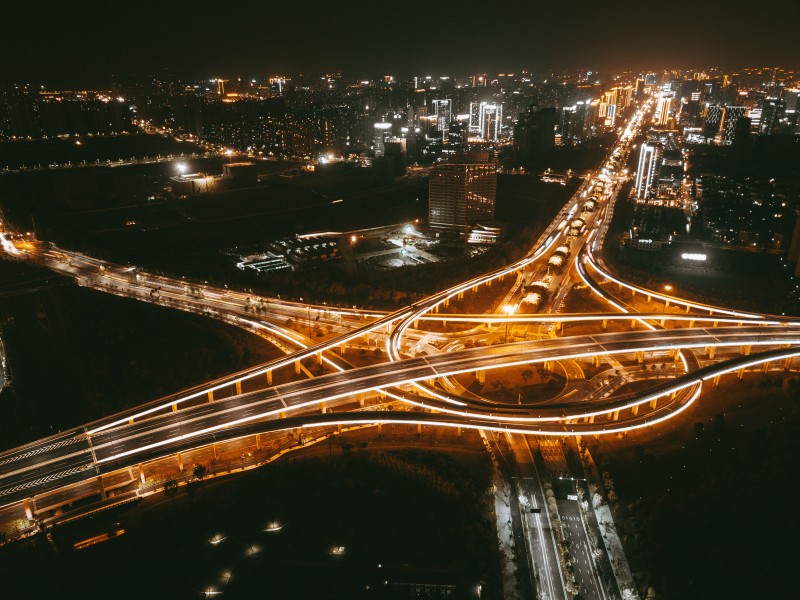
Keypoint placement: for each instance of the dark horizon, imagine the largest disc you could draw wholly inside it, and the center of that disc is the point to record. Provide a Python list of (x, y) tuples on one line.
[(246, 39)]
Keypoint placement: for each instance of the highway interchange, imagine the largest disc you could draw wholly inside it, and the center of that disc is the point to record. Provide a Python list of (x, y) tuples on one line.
[(190, 419)]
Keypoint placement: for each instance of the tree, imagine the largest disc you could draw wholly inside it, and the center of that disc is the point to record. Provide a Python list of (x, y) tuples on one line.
[(527, 374), (170, 488), (199, 471)]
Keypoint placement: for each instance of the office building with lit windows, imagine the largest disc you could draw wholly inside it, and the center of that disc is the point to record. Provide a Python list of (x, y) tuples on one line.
[(733, 114), (382, 132), (461, 194), (443, 110)]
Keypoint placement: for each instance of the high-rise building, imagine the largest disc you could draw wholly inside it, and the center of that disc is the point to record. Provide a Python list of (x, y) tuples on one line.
[(443, 111), (490, 121), (475, 117), (647, 173), (534, 133), (663, 108), (713, 122), (382, 132), (730, 120), (461, 194), (772, 113)]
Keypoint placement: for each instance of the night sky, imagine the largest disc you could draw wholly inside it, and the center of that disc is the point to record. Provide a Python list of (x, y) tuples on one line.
[(83, 40)]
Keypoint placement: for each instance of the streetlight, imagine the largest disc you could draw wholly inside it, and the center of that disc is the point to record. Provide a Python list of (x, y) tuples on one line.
[(181, 167), (509, 309)]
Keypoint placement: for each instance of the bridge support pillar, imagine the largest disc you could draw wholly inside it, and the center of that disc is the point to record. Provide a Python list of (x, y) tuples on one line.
[(662, 322), (297, 367), (687, 308), (140, 470), (787, 365), (740, 373), (282, 414), (180, 461), (605, 323), (745, 350), (210, 396), (380, 429), (715, 324), (258, 441), (215, 451), (691, 323), (361, 399), (548, 366), (416, 323), (175, 407), (596, 360), (269, 376), (459, 432), (716, 380), (338, 428), (635, 410), (480, 376), (446, 302), (765, 367), (319, 358), (489, 283), (419, 429), (711, 351), (633, 323), (654, 403), (130, 421), (103, 495), (26, 504), (323, 408), (649, 298), (666, 303), (239, 388), (591, 419), (615, 415), (639, 356), (474, 289), (460, 295)]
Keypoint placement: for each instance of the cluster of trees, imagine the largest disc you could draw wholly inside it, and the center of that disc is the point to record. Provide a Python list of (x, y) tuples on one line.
[(676, 509), (420, 472)]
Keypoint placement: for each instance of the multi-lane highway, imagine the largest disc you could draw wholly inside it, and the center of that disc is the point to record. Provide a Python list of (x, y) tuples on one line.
[(100, 447)]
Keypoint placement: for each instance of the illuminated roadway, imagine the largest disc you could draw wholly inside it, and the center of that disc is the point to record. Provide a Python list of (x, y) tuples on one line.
[(66, 457), (48, 464)]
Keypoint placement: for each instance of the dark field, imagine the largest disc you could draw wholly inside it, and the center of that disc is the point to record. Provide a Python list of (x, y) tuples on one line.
[(400, 516), (77, 355), (16, 154)]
